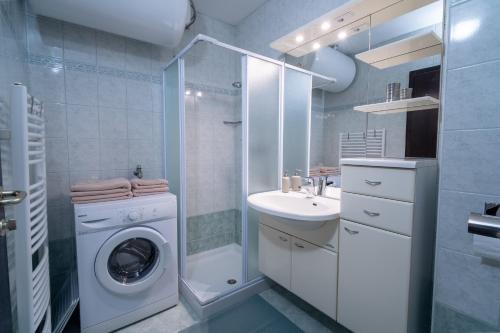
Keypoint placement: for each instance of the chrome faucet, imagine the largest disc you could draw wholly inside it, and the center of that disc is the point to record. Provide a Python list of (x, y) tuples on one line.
[(323, 183), (309, 181)]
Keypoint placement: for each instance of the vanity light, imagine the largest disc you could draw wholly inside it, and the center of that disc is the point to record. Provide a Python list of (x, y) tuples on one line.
[(325, 26), (342, 35), (299, 39), (188, 92), (316, 46), (199, 94)]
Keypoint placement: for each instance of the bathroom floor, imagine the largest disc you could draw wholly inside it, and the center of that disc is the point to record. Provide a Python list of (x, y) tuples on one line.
[(208, 272), (297, 312)]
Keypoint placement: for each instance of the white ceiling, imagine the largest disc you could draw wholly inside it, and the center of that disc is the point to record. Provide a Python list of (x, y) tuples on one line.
[(228, 11)]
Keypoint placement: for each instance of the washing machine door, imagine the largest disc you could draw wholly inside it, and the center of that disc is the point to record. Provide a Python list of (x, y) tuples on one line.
[(132, 260)]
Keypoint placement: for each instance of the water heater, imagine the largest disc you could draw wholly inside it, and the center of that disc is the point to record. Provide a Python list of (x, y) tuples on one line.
[(159, 22), (330, 62)]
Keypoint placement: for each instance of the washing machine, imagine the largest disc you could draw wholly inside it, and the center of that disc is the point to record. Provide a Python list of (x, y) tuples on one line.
[(127, 260)]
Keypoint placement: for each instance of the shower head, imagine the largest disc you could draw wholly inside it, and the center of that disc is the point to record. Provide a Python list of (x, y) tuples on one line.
[(237, 84)]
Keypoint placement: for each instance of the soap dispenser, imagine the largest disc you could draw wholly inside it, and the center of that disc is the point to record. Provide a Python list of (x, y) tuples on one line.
[(285, 183), (296, 180)]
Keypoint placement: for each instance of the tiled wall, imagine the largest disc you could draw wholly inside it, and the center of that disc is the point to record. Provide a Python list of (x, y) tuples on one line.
[(213, 148), (467, 289), (213, 230)]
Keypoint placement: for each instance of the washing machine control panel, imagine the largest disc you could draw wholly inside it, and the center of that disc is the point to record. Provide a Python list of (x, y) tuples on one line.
[(142, 214)]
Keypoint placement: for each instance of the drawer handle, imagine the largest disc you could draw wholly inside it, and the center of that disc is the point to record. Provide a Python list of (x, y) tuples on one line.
[(351, 232), (283, 239), (372, 183), (372, 214), (299, 245)]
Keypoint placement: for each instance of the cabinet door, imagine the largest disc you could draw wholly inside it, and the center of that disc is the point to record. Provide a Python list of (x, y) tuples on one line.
[(374, 278), (314, 276), (275, 255)]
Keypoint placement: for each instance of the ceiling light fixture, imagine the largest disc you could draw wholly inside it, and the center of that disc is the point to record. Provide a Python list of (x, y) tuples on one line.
[(342, 35), (325, 26), (199, 94), (316, 46), (299, 38), (188, 92)]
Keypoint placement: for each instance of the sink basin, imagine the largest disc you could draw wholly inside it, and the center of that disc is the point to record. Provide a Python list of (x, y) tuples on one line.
[(296, 208)]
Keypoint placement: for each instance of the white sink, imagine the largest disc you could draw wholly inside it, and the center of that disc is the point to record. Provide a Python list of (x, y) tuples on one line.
[(296, 208)]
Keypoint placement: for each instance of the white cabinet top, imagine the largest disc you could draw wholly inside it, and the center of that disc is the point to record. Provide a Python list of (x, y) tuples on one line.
[(404, 163)]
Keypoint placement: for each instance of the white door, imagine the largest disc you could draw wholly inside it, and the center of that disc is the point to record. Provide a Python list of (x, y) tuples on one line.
[(314, 276), (275, 255), (374, 275)]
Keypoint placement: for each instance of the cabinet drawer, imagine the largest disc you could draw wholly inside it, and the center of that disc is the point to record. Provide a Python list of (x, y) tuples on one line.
[(314, 276), (386, 214), (398, 184), (275, 256)]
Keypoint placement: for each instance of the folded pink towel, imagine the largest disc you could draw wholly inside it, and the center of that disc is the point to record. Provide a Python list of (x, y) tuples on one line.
[(101, 185), (100, 198), (122, 191), (139, 183), (150, 190), (144, 194)]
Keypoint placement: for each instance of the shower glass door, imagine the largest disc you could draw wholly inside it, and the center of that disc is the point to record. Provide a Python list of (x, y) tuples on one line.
[(213, 262)]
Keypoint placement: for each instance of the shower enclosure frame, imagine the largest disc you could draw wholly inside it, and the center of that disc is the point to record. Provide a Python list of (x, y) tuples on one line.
[(258, 283)]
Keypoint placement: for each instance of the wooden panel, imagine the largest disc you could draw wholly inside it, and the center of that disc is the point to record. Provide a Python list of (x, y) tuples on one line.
[(402, 51), (422, 126)]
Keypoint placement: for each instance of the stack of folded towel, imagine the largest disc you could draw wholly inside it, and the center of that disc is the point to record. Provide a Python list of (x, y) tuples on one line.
[(101, 190), (141, 187), (326, 170), (315, 172), (323, 171)]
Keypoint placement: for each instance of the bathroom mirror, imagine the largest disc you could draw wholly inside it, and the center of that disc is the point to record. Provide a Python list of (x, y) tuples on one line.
[(337, 126)]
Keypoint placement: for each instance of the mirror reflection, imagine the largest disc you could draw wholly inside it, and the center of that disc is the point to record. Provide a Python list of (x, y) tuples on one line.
[(385, 100)]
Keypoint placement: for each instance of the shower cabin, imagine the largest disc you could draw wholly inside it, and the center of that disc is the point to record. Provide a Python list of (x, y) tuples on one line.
[(224, 141)]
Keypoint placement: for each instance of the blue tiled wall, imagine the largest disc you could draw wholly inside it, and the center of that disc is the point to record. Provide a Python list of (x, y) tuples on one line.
[(467, 289)]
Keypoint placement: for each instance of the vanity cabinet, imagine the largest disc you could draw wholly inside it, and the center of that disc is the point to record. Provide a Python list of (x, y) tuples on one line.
[(314, 276), (274, 255), (305, 265), (374, 277), (386, 246)]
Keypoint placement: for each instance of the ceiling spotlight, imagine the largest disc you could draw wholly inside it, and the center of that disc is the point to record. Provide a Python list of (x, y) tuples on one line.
[(199, 94), (188, 92), (325, 25), (316, 46), (342, 35), (299, 38)]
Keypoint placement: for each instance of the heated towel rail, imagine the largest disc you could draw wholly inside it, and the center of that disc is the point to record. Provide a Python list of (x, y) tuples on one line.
[(32, 253)]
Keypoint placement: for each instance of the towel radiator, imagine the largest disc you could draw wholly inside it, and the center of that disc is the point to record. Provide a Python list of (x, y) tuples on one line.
[(361, 144), (31, 249)]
